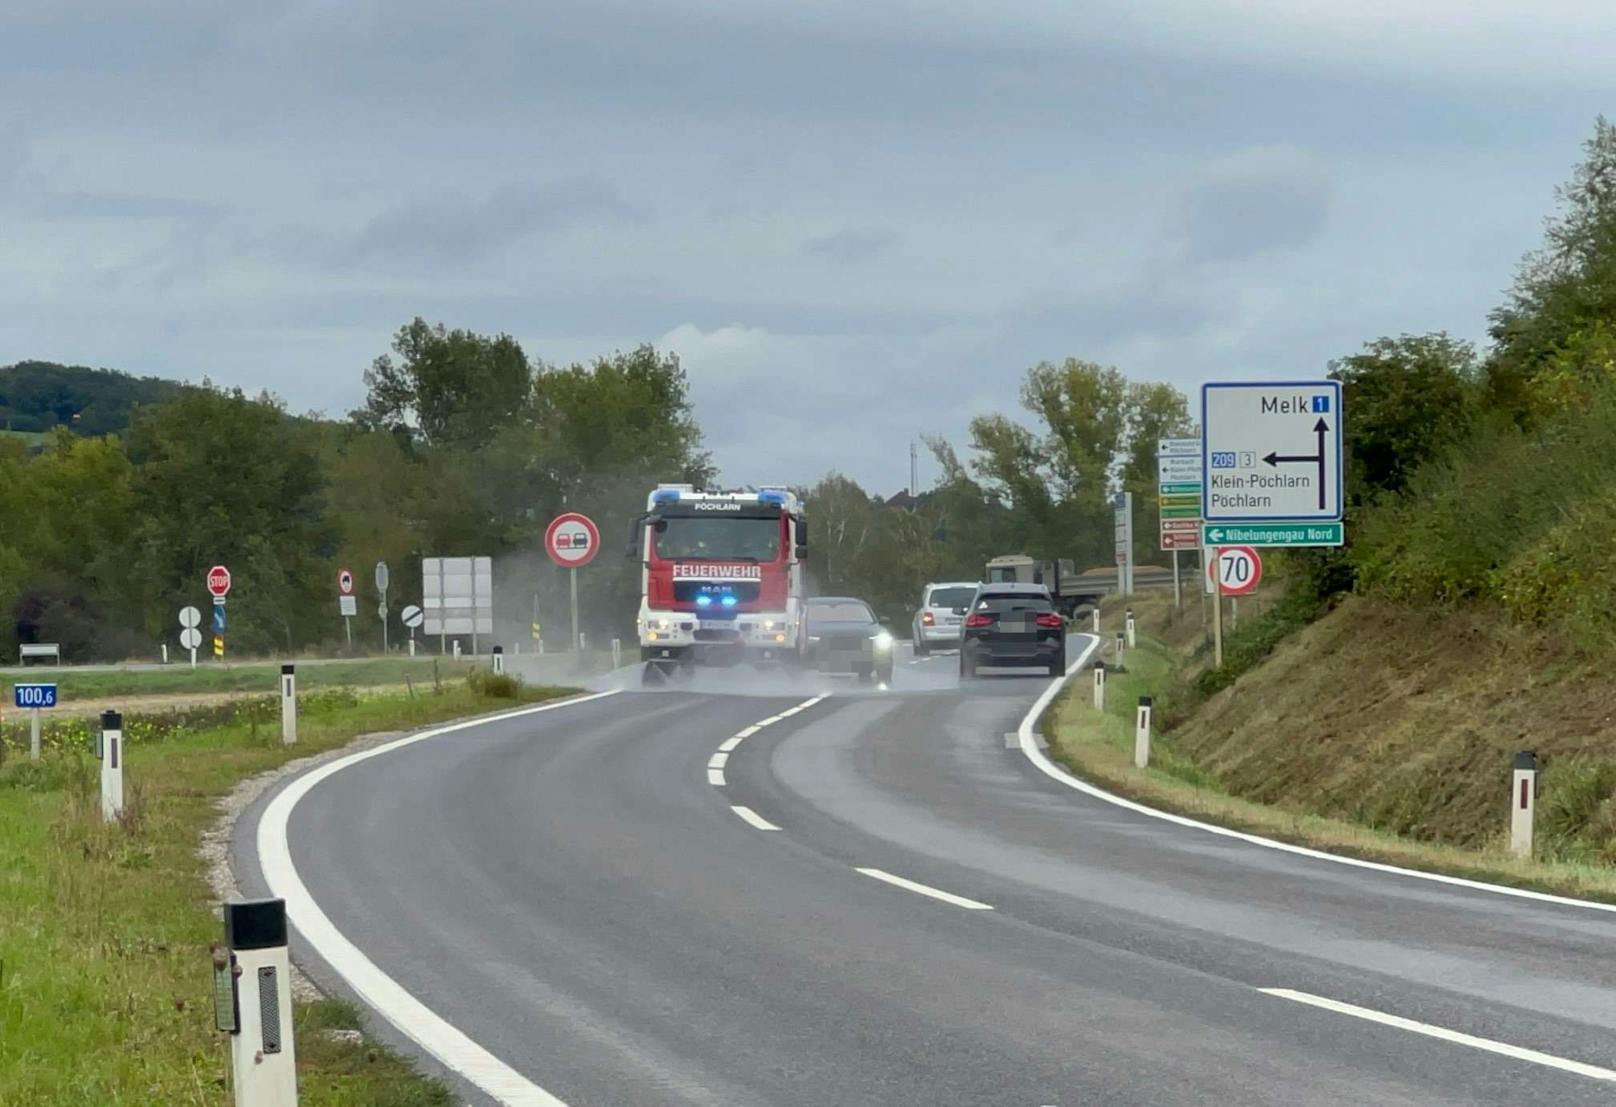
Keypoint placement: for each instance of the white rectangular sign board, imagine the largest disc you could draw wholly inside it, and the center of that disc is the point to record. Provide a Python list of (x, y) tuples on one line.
[(1178, 447), (457, 595), (1271, 451), (1178, 469)]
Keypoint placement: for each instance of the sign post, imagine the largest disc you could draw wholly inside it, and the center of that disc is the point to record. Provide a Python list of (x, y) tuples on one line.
[(572, 540), (1231, 571), (190, 631), (383, 578), (1122, 529), (33, 698), (219, 588), (346, 603)]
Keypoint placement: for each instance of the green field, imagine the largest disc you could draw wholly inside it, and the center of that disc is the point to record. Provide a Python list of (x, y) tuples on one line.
[(76, 684), (105, 928)]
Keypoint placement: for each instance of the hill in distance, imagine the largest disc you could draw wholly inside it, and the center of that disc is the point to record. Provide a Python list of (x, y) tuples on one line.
[(38, 396)]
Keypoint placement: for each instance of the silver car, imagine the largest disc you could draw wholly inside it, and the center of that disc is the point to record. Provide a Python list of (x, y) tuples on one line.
[(941, 615)]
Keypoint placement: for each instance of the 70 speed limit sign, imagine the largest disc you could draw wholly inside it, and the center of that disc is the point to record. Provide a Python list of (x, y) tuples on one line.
[(1235, 571)]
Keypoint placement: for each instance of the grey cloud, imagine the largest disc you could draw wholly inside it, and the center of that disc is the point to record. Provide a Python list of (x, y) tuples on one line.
[(1255, 203), (457, 229), (111, 205), (851, 245)]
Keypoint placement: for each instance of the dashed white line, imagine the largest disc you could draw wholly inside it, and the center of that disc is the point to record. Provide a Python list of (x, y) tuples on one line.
[(1593, 1072), (715, 777), (730, 743), (752, 817), (747, 732), (927, 890), (718, 760)]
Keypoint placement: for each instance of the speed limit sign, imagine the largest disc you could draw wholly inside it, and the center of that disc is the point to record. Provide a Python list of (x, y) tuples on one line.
[(1235, 571)]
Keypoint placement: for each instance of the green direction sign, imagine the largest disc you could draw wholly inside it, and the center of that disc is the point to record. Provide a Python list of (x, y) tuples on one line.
[(1189, 511), (1180, 499), (1272, 534), (1180, 489)]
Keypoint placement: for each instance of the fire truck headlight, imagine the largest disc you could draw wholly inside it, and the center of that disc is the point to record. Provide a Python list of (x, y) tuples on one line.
[(883, 642)]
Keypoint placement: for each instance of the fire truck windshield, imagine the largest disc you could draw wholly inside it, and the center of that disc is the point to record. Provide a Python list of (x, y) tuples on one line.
[(679, 538)]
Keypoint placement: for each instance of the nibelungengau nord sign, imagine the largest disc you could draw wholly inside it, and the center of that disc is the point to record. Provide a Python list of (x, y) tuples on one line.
[(1271, 451)]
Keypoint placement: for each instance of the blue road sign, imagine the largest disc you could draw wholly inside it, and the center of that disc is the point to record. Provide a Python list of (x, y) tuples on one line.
[(34, 695), (218, 619)]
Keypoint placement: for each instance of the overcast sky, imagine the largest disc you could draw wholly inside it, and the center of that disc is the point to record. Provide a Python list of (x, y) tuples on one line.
[(857, 221)]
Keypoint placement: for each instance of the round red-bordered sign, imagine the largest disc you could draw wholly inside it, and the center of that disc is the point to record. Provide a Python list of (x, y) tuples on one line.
[(345, 581), (1237, 569), (572, 540), (219, 581)]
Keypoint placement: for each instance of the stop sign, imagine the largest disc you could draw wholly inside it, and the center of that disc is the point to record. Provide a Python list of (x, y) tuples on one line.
[(572, 540), (219, 581)]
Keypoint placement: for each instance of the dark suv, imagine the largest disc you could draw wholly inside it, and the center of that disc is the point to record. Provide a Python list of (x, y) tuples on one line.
[(1013, 624)]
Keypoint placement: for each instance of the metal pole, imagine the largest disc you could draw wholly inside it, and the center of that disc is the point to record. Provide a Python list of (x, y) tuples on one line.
[(33, 734), (574, 574), (347, 628), (384, 628), (193, 659), (1217, 613), (1178, 585)]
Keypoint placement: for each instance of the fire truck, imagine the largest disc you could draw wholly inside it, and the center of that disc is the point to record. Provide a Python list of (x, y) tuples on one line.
[(721, 579)]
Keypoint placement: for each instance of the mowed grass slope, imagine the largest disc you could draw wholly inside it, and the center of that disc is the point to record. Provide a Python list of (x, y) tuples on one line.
[(1374, 734), (247, 678), (105, 928)]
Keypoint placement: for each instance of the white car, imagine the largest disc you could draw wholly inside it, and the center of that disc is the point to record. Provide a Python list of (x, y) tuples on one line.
[(942, 614)]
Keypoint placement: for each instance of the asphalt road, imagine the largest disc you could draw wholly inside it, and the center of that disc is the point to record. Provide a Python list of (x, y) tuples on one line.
[(576, 892)]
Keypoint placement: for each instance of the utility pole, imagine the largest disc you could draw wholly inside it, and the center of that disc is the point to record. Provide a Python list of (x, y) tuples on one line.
[(914, 470)]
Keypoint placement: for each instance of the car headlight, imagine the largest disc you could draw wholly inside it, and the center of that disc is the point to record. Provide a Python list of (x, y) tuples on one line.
[(883, 641)]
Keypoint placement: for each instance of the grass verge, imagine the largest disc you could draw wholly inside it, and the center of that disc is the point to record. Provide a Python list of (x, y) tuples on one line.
[(105, 927), (1098, 746)]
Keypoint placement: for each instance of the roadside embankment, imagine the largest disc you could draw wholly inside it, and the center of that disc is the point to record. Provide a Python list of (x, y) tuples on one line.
[(1375, 731)]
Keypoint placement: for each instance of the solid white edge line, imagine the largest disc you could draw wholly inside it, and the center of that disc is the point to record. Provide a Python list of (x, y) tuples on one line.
[(715, 777), (380, 992), (729, 744), (1593, 1072), (926, 890), (718, 760), (1029, 747), (752, 817)]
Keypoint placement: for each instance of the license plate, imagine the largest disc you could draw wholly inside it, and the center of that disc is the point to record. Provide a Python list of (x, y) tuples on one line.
[(715, 624), (952, 620)]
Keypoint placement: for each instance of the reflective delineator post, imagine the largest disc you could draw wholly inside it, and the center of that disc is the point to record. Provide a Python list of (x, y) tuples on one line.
[(255, 1003), (1099, 686), (1096, 614), (1133, 639), (1122, 644), (165, 653), (457, 649), (1522, 803), (499, 660), (109, 747), (1141, 734), (288, 705), (617, 653)]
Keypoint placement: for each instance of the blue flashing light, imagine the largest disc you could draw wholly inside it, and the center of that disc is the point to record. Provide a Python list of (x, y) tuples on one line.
[(704, 601), (729, 600), (665, 496), (772, 496)]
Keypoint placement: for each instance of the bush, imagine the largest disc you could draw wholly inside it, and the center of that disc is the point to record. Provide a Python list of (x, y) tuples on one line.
[(498, 686)]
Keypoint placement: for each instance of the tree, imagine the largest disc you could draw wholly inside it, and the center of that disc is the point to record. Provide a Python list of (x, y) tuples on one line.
[(223, 478), (1152, 412), (1409, 398), (1553, 333), (1084, 407), (842, 527), (452, 388)]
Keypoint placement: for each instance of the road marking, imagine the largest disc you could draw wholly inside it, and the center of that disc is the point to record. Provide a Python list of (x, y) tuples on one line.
[(715, 777), (747, 732), (761, 723), (718, 760), (379, 991), (927, 890), (729, 744), (752, 817), (1593, 1072), (1029, 747)]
